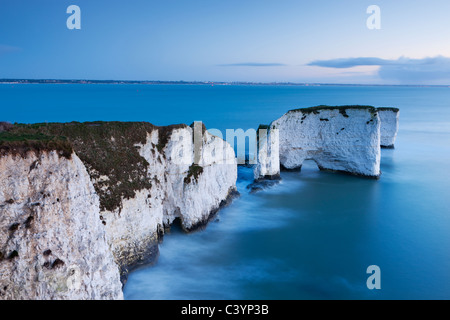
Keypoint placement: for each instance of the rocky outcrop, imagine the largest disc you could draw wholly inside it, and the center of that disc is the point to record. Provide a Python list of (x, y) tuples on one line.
[(81, 204), (182, 188), (268, 160), (343, 139), (52, 242), (389, 126)]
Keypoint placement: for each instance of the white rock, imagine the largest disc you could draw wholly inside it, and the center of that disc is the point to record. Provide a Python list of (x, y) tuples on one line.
[(389, 126), (95, 244), (48, 202), (134, 229), (268, 160), (347, 142)]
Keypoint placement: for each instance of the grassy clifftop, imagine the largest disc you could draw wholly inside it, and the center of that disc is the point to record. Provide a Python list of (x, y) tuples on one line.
[(106, 148), (389, 109), (342, 109), (22, 143)]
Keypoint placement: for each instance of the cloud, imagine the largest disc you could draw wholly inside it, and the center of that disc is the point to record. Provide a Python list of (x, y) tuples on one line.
[(405, 70), (348, 62), (253, 64)]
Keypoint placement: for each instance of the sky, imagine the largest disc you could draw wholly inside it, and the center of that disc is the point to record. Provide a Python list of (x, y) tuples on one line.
[(321, 41)]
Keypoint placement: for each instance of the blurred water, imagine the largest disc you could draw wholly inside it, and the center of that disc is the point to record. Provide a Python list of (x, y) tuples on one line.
[(313, 235)]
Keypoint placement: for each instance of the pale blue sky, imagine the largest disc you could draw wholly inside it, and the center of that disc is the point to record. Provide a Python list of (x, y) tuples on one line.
[(245, 40)]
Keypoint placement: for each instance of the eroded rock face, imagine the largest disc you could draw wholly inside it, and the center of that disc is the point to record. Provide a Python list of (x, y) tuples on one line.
[(180, 188), (52, 242), (268, 162), (73, 225), (343, 139), (389, 126)]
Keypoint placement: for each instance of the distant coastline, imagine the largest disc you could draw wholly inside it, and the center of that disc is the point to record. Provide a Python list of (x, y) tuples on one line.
[(219, 83)]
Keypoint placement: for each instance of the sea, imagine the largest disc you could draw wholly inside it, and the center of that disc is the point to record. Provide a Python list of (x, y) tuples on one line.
[(315, 234)]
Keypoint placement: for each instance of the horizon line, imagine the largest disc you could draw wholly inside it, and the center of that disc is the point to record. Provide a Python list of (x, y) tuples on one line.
[(199, 82)]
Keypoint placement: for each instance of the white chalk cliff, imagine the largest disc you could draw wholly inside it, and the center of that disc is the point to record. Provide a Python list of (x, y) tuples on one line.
[(52, 242), (182, 189), (268, 160), (389, 126), (343, 139), (71, 225), (63, 233)]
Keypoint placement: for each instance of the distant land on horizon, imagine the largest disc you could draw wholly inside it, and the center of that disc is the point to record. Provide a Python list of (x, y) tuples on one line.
[(85, 81)]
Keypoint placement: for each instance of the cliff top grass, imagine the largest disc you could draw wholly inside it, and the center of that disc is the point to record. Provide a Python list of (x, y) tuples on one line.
[(316, 109), (342, 109), (21, 143), (106, 148), (388, 109)]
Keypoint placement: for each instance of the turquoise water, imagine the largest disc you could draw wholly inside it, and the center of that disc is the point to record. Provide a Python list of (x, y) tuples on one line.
[(313, 235)]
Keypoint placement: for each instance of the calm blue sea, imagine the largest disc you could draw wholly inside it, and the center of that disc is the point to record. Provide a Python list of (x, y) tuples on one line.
[(312, 236)]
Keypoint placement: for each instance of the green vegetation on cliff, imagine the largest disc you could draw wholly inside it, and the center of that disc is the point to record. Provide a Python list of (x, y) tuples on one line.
[(193, 173), (341, 109), (107, 149), (388, 109), (21, 141)]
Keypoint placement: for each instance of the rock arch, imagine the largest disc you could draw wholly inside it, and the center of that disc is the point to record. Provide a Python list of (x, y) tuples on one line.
[(343, 139)]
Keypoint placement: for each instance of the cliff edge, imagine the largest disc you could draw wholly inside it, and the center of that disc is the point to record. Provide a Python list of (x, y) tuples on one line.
[(105, 191)]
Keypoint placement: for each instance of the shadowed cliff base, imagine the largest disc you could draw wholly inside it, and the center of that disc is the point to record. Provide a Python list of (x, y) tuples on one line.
[(232, 194), (354, 174)]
